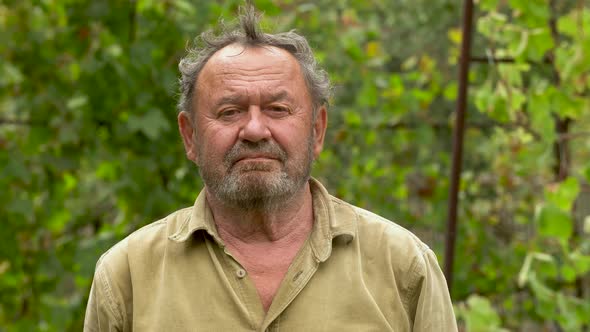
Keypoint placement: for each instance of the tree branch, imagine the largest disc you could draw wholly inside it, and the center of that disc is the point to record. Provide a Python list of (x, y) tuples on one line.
[(493, 60), (132, 21), (17, 122)]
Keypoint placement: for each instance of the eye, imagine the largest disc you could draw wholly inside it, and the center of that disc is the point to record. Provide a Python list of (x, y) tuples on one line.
[(278, 110), (228, 113)]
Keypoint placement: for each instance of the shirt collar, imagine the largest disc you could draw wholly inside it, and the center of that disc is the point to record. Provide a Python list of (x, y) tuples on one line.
[(329, 224), (200, 218)]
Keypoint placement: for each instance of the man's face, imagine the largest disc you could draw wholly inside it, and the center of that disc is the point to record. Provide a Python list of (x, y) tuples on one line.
[(255, 136)]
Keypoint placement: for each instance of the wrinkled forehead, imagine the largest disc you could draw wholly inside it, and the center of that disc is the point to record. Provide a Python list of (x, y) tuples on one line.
[(242, 54), (251, 67), (252, 60)]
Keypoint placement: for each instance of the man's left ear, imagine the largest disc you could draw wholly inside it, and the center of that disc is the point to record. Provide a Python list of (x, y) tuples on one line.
[(319, 128)]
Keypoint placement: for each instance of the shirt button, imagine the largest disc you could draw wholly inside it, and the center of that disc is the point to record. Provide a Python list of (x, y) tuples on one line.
[(241, 273)]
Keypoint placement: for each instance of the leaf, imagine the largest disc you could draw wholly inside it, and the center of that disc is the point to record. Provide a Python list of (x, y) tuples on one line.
[(152, 123), (10, 75), (489, 24), (568, 273), (353, 118), (409, 63), (455, 35), (580, 261), (450, 91), (488, 4), (114, 50), (564, 195), (554, 222), (58, 220), (523, 275), (396, 87), (517, 99), (484, 98), (539, 42), (70, 182), (74, 71), (185, 7), (479, 315), (350, 42), (539, 111), (368, 96), (77, 102), (566, 105), (573, 24), (536, 262), (542, 292), (533, 13), (373, 49), (21, 206)]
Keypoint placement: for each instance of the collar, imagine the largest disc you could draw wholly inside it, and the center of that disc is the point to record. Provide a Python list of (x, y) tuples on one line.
[(200, 218), (331, 220)]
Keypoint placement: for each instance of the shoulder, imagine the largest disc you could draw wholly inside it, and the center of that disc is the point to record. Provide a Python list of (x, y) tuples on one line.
[(383, 238), (378, 228), (146, 240), (111, 295), (389, 253)]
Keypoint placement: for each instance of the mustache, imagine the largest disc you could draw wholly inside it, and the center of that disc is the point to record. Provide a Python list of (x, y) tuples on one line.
[(243, 149)]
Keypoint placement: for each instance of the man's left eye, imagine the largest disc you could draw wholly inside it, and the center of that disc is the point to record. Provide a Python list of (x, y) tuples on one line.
[(279, 110)]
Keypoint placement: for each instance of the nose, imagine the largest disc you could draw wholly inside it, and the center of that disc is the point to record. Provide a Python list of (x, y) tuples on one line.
[(255, 129)]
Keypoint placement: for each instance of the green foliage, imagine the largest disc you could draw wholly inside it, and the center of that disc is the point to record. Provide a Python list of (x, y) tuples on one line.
[(531, 97), (479, 315), (89, 150), (551, 274)]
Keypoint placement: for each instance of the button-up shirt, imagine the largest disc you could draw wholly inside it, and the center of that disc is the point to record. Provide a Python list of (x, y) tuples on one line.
[(356, 272)]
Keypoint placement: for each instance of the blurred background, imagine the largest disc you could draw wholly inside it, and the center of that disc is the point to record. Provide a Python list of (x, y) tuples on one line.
[(89, 149)]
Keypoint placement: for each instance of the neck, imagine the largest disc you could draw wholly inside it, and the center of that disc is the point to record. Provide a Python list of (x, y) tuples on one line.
[(292, 219)]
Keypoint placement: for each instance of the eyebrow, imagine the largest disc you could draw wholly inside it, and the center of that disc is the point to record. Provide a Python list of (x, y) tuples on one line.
[(281, 95), (231, 99), (266, 99)]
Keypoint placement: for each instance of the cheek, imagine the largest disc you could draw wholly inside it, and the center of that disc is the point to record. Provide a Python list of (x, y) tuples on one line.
[(294, 140), (213, 144)]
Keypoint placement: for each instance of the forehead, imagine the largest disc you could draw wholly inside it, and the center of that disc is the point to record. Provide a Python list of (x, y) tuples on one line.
[(244, 55), (250, 67)]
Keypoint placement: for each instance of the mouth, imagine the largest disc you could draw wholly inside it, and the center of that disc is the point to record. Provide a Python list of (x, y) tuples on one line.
[(255, 159), (247, 164)]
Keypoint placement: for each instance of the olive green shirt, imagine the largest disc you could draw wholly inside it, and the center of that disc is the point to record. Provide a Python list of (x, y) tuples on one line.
[(356, 272)]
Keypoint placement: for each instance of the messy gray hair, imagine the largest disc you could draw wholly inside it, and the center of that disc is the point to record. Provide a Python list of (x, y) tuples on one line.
[(249, 34)]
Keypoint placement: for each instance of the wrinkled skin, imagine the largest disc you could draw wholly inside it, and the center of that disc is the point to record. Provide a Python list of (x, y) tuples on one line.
[(254, 137)]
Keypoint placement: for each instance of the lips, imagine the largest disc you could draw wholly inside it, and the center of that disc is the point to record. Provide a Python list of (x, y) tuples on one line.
[(258, 151), (256, 157)]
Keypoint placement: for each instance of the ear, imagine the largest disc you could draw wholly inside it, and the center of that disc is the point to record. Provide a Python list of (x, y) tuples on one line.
[(187, 132), (319, 128)]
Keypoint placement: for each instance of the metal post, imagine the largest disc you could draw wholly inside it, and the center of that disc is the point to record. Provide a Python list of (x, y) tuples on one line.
[(458, 134)]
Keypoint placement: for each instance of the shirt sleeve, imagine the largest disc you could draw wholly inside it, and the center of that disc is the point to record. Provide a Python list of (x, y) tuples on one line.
[(102, 312), (432, 302)]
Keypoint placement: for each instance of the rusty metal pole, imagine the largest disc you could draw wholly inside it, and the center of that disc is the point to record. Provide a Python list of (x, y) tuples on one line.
[(458, 134)]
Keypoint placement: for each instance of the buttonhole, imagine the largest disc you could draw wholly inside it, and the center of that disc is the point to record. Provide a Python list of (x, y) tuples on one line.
[(297, 275)]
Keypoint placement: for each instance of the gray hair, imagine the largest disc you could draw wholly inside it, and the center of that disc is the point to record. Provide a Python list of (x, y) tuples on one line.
[(249, 34)]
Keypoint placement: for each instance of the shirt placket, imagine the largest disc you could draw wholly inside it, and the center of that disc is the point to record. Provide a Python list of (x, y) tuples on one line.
[(298, 275), (240, 285)]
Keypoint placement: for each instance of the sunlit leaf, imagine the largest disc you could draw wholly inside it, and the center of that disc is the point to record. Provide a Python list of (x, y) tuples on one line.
[(554, 222), (152, 123), (563, 195)]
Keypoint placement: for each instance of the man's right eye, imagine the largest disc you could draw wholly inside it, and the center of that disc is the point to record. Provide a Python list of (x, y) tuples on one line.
[(228, 113)]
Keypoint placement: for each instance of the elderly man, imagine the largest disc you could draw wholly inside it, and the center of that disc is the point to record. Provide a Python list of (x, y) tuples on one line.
[(265, 247)]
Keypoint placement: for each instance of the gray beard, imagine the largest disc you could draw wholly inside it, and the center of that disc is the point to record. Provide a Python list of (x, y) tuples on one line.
[(243, 186)]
